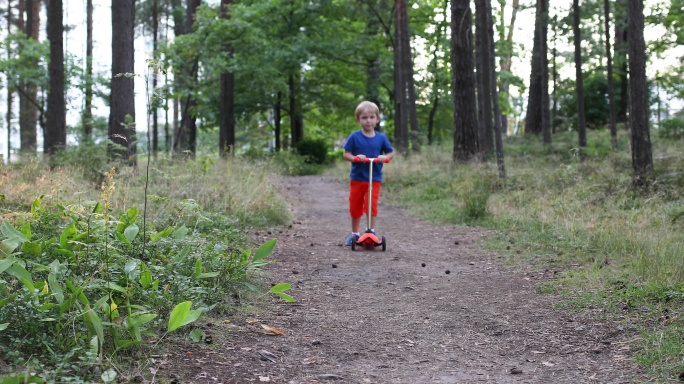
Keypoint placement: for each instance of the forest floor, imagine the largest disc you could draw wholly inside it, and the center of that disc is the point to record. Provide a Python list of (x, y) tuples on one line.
[(433, 308)]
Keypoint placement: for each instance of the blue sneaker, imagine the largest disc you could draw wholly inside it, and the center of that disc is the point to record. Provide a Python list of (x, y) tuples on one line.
[(350, 239)]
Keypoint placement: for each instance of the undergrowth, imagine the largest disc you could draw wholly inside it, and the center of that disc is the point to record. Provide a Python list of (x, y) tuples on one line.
[(93, 279)]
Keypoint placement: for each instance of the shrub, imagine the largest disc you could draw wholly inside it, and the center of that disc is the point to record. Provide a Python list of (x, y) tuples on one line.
[(314, 151), (672, 128)]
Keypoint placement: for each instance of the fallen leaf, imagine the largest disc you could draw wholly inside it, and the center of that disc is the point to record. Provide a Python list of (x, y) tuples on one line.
[(547, 364), (538, 352), (264, 378), (273, 330)]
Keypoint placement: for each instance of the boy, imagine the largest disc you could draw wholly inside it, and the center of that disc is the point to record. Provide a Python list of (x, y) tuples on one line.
[(365, 143)]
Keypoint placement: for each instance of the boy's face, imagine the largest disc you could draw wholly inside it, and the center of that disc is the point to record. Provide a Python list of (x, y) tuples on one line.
[(368, 120)]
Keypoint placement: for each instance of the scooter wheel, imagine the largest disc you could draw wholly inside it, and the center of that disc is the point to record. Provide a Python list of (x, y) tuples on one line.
[(353, 246), (384, 243)]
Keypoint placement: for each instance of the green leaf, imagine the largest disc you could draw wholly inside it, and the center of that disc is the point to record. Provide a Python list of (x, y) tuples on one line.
[(4, 302), (4, 326), (197, 335), (36, 206), (97, 208), (94, 324), (131, 232), (140, 319), (123, 238), (182, 255), (182, 315), (180, 232), (286, 297), (178, 315), (132, 214), (10, 232), (146, 279), (56, 288), (31, 249), (131, 265), (22, 274), (67, 233), (252, 287), (207, 275), (8, 246), (282, 287), (6, 263), (108, 376), (264, 251)]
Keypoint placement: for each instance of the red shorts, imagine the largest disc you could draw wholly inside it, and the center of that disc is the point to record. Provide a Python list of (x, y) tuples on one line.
[(358, 198)]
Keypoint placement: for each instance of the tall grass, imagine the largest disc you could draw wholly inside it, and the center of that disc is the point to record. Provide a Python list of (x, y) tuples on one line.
[(611, 243)]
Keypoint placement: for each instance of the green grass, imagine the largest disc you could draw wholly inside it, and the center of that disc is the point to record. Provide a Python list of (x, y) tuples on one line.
[(582, 219)]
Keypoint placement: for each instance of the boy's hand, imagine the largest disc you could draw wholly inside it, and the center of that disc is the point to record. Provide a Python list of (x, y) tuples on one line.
[(381, 158), (361, 157)]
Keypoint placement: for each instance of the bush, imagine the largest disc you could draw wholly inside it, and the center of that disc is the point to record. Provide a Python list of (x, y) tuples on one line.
[(314, 151), (672, 128)]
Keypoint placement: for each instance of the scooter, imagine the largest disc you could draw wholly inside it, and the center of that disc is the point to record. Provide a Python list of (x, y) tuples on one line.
[(368, 239)]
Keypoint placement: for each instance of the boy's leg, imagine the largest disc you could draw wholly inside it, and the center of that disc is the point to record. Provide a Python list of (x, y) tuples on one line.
[(374, 206)]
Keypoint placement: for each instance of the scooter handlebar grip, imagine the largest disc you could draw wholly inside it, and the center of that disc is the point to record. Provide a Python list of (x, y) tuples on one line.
[(358, 160)]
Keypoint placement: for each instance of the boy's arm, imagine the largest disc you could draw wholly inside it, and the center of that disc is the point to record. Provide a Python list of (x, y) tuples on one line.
[(389, 155), (350, 157)]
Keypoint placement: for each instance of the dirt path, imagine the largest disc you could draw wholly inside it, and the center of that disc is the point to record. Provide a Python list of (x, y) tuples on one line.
[(383, 317)]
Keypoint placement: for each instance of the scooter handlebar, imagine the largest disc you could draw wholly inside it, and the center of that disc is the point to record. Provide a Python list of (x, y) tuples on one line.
[(371, 160)]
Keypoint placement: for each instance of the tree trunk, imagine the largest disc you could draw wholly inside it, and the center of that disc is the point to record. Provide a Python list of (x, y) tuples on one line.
[(466, 139), (155, 103), (178, 30), (554, 77), (609, 75), (10, 94), (296, 117), (276, 116), (579, 86), (187, 135), (55, 128), (437, 79), (400, 95), (506, 61), (498, 137), (620, 60), (121, 130), (544, 74), (533, 115), (407, 64), (227, 108), (642, 157), (88, 109), (28, 111), (484, 86)]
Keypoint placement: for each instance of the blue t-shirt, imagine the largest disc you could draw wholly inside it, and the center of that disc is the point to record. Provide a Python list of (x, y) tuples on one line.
[(358, 144)]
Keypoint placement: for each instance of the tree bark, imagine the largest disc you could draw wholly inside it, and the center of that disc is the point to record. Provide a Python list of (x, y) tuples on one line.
[(506, 61), (642, 157), (609, 75), (187, 135), (484, 86), (544, 75), (620, 59), (466, 139), (88, 109), (539, 74), (10, 94), (579, 79), (155, 103), (227, 108), (28, 112), (55, 128), (400, 93), (498, 137), (121, 130)]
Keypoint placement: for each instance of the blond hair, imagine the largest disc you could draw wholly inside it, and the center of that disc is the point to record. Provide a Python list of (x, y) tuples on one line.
[(367, 106)]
